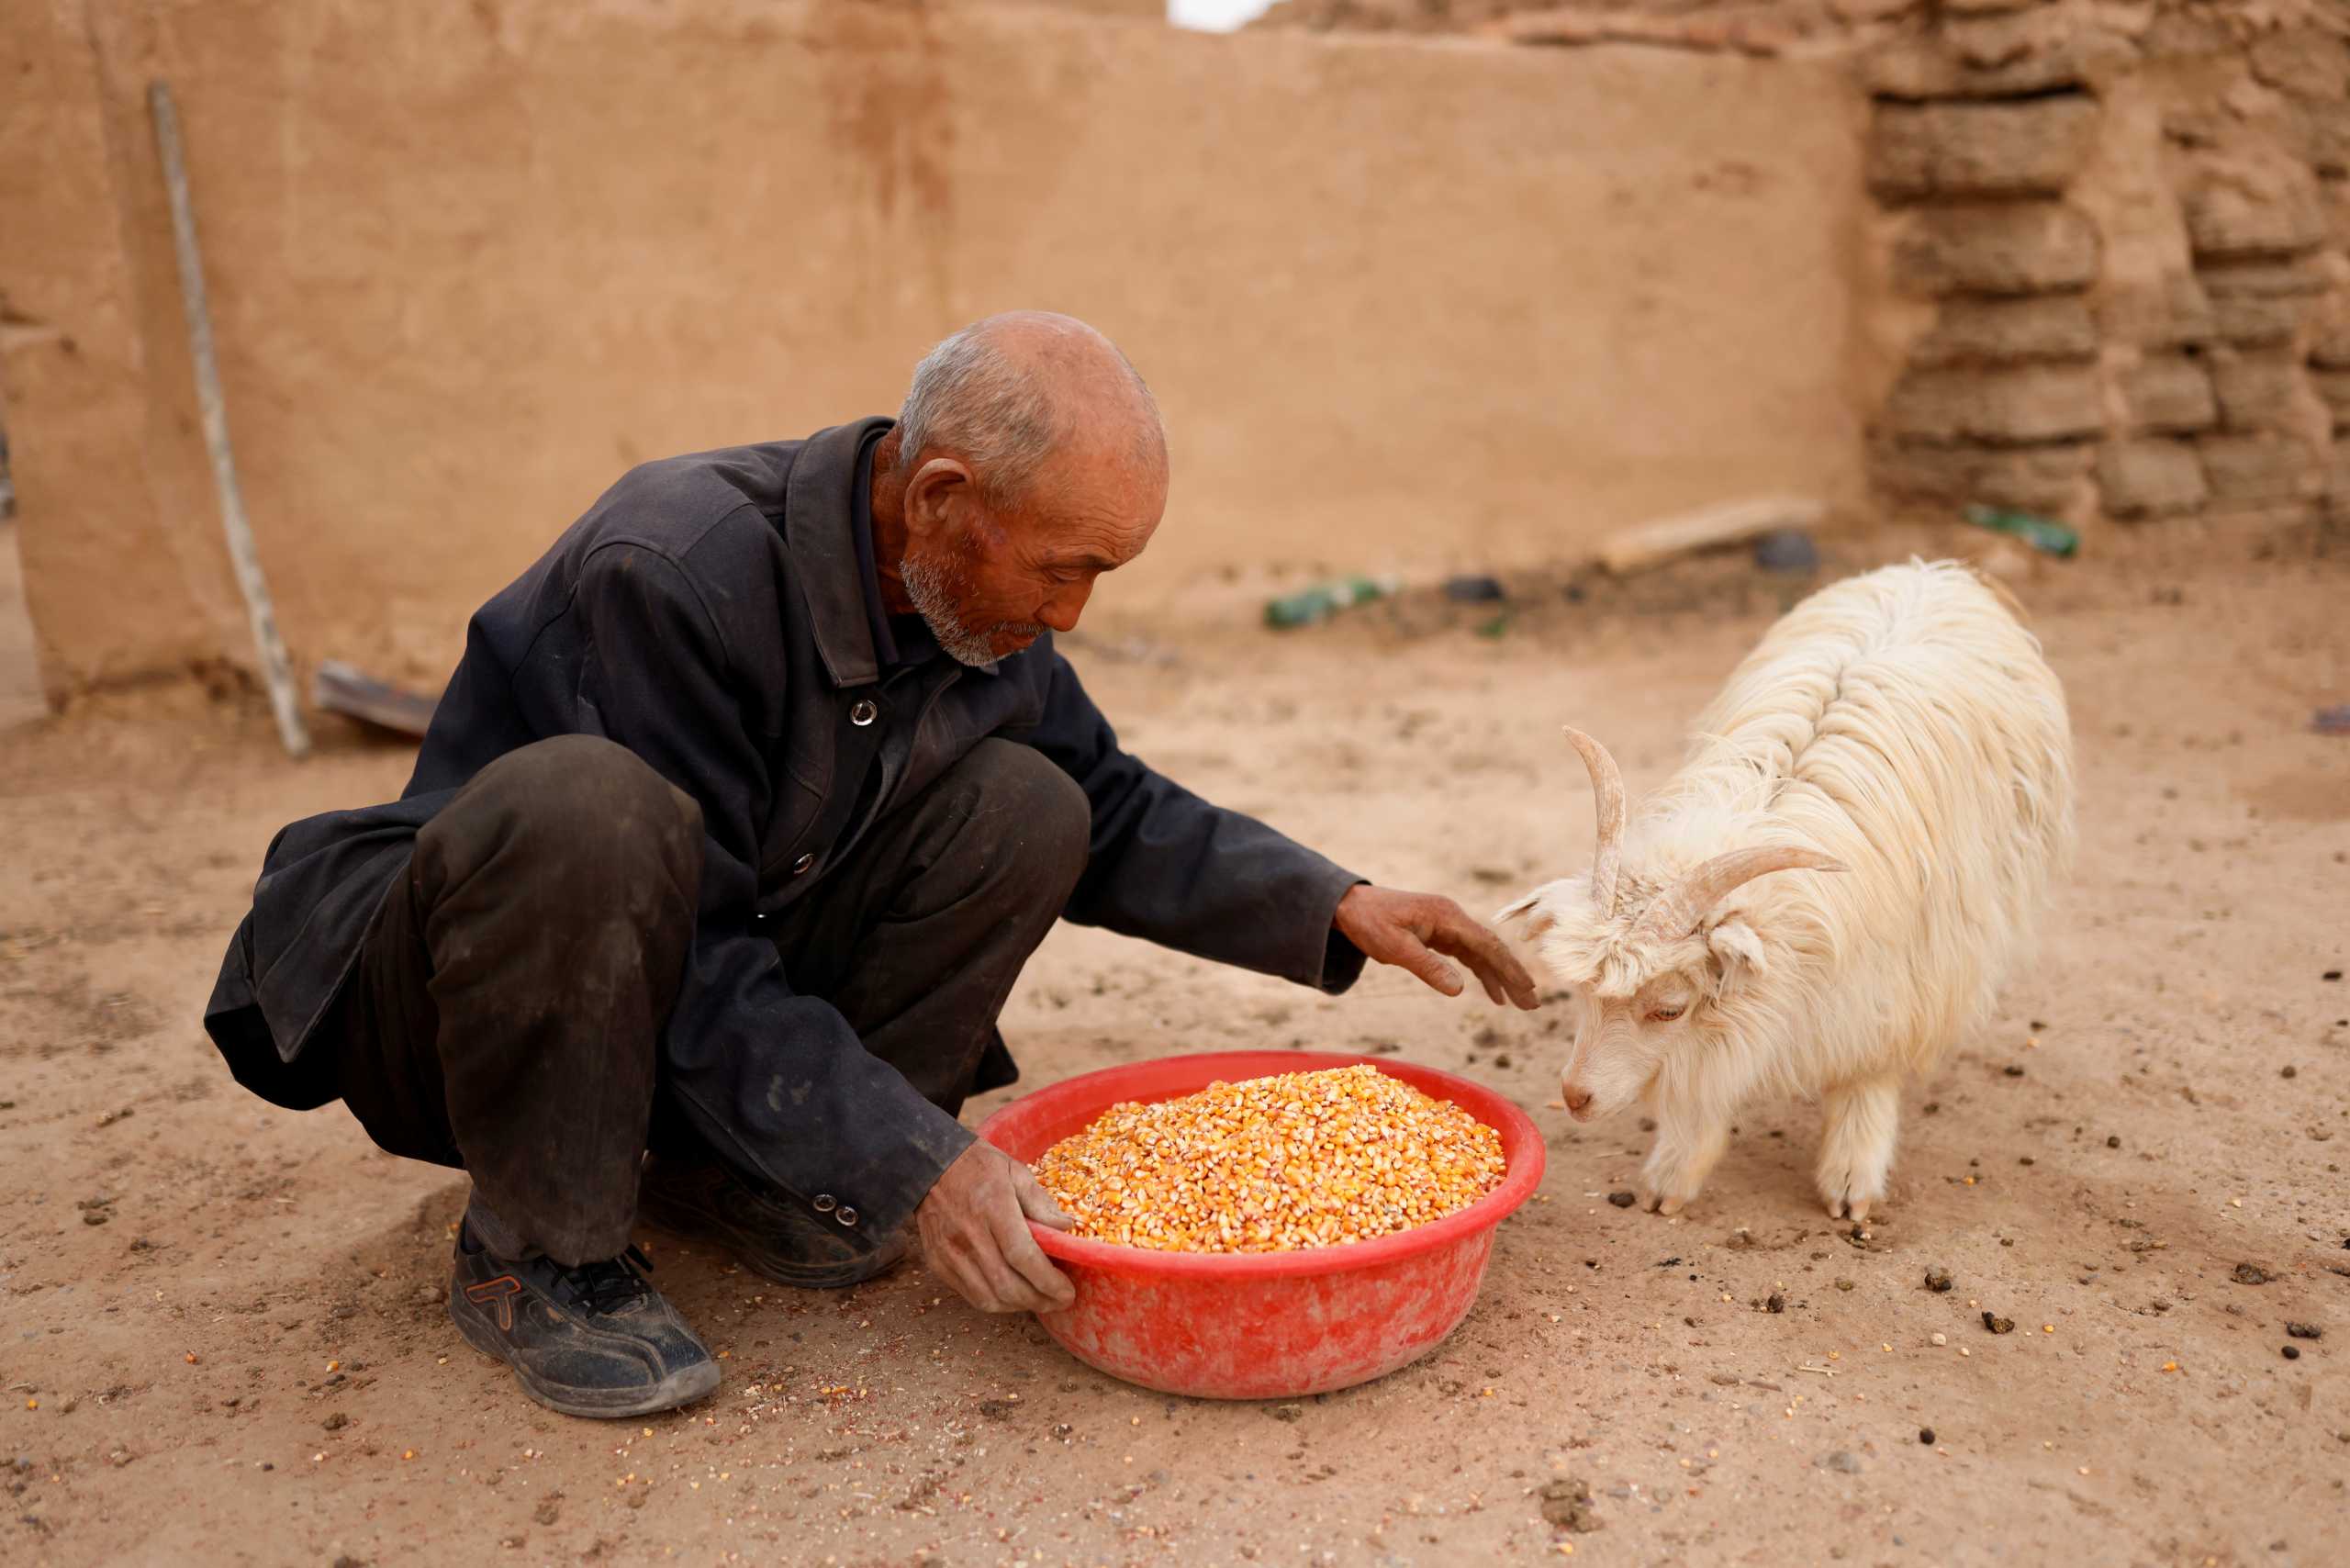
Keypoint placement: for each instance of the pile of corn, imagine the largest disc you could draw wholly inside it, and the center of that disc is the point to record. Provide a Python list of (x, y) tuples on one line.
[(1273, 1164)]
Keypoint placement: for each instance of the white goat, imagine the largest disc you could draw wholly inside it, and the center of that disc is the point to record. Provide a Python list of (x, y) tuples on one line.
[(1900, 729)]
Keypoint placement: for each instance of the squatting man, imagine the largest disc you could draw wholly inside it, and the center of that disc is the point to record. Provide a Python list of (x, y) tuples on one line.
[(733, 830)]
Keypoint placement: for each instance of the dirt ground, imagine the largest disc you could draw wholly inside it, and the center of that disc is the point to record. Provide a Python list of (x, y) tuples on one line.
[(224, 1341)]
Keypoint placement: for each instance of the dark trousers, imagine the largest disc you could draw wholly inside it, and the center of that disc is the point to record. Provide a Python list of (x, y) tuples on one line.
[(507, 1008)]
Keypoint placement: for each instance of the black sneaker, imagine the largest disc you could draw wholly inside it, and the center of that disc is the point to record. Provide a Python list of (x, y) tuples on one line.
[(594, 1340), (775, 1238)]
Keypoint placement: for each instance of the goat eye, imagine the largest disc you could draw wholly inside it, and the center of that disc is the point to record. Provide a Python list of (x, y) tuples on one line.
[(1665, 1015)]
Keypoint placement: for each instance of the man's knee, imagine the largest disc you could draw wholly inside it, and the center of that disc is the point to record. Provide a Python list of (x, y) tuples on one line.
[(1036, 814), (577, 808)]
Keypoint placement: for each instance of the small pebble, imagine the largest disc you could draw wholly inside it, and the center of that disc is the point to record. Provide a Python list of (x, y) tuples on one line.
[(2292, 1352), (2012, 1070), (1622, 1200), (1926, 1436), (2113, 1143), (1473, 590), (1786, 550), (2288, 1071), (1776, 1303), (1940, 1339)]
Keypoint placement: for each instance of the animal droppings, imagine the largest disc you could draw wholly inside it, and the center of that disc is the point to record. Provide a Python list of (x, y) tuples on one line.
[(1273, 1164)]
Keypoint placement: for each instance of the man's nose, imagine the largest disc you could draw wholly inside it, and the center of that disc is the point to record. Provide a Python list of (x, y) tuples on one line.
[(1062, 611)]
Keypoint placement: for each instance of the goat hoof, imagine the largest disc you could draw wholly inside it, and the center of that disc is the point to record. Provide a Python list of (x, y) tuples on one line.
[(1656, 1202)]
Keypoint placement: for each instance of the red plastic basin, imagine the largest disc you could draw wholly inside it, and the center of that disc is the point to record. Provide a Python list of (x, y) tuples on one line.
[(1265, 1325)]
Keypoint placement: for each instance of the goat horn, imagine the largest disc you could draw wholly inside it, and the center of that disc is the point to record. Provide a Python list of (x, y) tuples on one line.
[(1607, 797), (1677, 911)]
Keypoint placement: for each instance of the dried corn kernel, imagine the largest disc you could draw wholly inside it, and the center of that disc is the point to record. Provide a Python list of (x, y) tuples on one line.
[(1273, 1164)]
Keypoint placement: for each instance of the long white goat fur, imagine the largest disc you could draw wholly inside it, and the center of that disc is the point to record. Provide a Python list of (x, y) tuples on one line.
[(1905, 723)]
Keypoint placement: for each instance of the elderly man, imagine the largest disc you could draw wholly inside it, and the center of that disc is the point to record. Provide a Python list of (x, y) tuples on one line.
[(736, 823)]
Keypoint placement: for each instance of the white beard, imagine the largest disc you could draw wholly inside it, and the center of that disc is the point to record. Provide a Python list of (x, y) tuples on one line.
[(931, 587)]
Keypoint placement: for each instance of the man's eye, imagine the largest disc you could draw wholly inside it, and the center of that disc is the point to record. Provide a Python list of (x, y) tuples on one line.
[(1665, 1015)]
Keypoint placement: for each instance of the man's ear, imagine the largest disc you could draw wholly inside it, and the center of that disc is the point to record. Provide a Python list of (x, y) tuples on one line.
[(1736, 950), (937, 488)]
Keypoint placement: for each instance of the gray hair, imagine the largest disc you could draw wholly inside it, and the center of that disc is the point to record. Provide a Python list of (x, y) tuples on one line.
[(971, 397)]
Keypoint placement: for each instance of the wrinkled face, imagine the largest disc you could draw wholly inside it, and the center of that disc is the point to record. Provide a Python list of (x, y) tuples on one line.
[(1622, 1042), (990, 577)]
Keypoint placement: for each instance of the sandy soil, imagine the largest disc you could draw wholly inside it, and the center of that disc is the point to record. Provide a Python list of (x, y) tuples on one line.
[(224, 1343)]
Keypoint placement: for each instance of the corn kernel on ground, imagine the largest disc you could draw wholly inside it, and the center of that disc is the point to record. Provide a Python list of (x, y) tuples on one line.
[(1273, 1164)]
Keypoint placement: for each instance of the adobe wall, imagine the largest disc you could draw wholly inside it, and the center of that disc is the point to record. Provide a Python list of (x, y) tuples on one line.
[(2113, 254), (1407, 304)]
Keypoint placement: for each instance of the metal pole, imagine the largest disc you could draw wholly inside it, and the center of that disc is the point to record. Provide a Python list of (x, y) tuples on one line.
[(274, 665)]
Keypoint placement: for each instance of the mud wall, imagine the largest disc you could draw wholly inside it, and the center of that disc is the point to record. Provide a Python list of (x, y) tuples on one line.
[(1405, 303), (2113, 262)]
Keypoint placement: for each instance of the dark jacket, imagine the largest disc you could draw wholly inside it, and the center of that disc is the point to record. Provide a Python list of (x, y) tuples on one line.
[(708, 614)]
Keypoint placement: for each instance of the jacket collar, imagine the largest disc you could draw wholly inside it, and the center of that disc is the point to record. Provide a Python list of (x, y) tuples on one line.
[(821, 541), (822, 546)]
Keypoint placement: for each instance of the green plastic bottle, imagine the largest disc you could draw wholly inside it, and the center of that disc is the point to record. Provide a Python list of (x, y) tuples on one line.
[(2054, 538), (1311, 606)]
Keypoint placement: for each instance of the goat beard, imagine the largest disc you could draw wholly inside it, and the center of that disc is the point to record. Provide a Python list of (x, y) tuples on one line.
[(937, 584)]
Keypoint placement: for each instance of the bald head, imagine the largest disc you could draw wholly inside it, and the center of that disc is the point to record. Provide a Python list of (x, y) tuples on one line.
[(1009, 393)]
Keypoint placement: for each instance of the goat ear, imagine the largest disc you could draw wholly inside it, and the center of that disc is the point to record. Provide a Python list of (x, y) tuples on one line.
[(1736, 950), (1529, 908)]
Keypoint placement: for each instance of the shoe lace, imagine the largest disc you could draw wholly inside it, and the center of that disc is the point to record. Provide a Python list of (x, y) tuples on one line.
[(606, 1285)]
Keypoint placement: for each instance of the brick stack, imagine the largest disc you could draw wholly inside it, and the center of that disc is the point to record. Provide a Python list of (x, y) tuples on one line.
[(1982, 121), (2195, 360)]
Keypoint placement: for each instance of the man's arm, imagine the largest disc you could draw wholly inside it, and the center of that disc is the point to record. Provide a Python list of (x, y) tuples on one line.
[(1171, 868)]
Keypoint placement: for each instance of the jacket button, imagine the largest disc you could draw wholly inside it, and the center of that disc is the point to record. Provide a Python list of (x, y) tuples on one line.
[(864, 714), (825, 1201), (800, 868), (847, 1215)]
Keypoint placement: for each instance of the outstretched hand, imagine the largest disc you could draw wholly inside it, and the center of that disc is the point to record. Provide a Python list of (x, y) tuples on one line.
[(974, 1229), (1419, 930)]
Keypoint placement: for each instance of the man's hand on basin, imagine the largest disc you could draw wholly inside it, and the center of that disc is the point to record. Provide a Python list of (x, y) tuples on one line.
[(1419, 930), (974, 1229)]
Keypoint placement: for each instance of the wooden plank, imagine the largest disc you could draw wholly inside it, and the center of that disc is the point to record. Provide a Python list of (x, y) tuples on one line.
[(1652, 543)]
